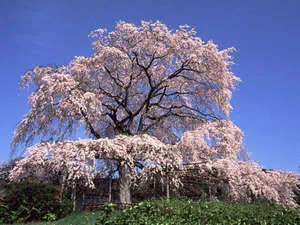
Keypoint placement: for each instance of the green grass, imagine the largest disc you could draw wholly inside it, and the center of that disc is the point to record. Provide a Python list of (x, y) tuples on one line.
[(187, 212), (184, 212), (79, 218)]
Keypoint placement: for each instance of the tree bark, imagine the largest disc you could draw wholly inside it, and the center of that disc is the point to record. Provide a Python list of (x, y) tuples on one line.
[(124, 184)]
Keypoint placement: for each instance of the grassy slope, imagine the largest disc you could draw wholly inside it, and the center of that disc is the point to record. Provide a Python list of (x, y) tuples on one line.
[(186, 212), (80, 218), (177, 212)]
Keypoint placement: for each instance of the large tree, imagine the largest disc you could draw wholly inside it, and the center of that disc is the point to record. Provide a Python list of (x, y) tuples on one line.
[(140, 80)]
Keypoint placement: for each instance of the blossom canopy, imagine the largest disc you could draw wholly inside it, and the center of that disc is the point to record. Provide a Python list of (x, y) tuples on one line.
[(140, 79)]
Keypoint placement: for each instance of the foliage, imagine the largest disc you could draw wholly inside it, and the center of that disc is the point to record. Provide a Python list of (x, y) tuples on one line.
[(50, 217), (32, 201), (77, 218), (182, 211)]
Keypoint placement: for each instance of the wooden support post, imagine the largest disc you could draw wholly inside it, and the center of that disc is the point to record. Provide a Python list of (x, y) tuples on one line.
[(168, 188), (154, 191), (162, 186), (73, 196), (62, 186), (109, 188)]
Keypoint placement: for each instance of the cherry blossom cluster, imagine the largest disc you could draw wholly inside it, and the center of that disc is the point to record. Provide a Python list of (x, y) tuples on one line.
[(214, 148), (247, 181), (212, 140), (77, 158), (140, 79)]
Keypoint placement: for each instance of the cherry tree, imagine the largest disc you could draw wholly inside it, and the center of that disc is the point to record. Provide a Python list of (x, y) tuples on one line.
[(212, 151), (76, 159), (143, 79)]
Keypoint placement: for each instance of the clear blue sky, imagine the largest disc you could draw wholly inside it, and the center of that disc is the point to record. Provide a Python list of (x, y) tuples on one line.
[(265, 33)]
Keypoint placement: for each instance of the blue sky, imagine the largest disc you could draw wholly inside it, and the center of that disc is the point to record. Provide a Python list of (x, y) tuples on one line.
[(265, 33)]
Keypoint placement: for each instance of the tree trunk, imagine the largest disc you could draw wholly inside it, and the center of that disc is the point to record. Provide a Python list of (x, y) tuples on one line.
[(124, 184)]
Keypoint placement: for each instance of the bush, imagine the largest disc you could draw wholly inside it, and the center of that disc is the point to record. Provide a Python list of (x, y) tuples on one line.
[(182, 211), (31, 201)]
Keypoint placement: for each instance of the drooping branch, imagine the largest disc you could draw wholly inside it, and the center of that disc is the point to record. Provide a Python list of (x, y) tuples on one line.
[(76, 157), (92, 130), (140, 79)]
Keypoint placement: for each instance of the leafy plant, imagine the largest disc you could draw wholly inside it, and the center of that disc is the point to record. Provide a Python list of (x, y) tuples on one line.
[(32, 201), (185, 211), (50, 217)]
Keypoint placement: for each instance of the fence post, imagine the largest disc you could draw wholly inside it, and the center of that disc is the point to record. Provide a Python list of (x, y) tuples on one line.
[(109, 187), (154, 192), (73, 196), (162, 185), (168, 188), (62, 188)]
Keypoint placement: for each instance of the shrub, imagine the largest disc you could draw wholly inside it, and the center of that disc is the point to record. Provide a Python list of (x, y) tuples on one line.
[(183, 211), (32, 201)]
